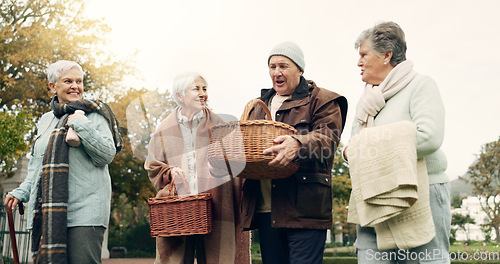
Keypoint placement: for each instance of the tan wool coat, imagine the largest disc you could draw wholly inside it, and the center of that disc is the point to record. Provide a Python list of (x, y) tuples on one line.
[(227, 243)]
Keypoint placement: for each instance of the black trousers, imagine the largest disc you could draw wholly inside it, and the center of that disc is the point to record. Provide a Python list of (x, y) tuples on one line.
[(195, 248), (289, 245)]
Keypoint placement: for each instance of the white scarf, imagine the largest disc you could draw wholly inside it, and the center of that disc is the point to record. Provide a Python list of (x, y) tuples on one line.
[(374, 97)]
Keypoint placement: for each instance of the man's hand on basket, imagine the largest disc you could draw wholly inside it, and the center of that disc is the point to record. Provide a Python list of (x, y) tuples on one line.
[(286, 151)]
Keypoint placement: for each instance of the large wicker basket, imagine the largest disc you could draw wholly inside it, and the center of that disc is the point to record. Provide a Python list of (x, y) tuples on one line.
[(244, 141), (180, 215)]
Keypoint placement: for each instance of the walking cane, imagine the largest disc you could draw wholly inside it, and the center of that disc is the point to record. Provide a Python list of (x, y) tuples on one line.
[(13, 231)]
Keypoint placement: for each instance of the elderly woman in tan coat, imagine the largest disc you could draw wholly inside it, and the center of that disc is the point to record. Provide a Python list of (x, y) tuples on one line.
[(179, 149)]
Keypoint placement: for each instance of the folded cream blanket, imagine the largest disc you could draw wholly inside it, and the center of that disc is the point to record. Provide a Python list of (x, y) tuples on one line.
[(390, 188)]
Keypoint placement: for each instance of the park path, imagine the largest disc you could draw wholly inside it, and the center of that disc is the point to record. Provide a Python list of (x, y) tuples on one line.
[(341, 248), (151, 260), (128, 261)]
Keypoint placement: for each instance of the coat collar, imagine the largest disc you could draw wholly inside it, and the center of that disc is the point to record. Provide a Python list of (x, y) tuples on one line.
[(300, 92)]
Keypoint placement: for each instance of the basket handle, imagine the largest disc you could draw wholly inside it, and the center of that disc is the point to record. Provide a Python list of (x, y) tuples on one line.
[(250, 105), (183, 180), (207, 123)]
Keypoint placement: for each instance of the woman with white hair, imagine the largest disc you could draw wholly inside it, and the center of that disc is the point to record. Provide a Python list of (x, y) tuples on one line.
[(178, 153), (68, 185)]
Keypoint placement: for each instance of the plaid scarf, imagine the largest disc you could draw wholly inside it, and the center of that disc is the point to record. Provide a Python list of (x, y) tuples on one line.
[(49, 241)]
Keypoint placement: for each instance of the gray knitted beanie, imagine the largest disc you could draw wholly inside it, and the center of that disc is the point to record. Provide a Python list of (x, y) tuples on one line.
[(291, 51)]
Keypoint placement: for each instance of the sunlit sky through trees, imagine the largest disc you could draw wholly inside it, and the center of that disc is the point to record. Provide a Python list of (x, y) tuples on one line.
[(455, 42)]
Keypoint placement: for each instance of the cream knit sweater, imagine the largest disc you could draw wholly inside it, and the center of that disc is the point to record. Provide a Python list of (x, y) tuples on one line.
[(390, 188), (421, 103)]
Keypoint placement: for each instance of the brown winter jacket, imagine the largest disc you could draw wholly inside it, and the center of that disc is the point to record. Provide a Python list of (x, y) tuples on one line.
[(303, 200)]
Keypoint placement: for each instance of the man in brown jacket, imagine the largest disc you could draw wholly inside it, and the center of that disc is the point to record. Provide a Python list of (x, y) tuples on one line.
[(292, 214)]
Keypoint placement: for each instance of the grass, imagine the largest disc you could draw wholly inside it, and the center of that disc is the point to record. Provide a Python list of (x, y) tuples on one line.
[(474, 245), (484, 253), (474, 252), (340, 256)]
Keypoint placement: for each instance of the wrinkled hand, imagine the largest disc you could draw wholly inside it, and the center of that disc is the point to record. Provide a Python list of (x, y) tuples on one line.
[(11, 201), (174, 180), (76, 114), (179, 179), (286, 151), (177, 174)]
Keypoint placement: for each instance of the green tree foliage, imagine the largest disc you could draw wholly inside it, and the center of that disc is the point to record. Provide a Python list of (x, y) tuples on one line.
[(461, 221), (341, 182), (15, 123), (143, 114), (341, 190), (36, 33), (139, 112), (129, 179), (484, 175), (456, 201), (130, 226)]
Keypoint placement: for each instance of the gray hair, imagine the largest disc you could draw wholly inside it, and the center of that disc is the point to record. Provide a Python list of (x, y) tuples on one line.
[(182, 82), (385, 37), (55, 69)]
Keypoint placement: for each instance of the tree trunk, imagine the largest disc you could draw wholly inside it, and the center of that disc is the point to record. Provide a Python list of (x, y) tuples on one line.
[(497, 232)]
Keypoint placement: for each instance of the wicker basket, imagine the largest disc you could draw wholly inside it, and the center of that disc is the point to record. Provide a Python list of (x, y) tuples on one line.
[(180, 215), (246, 144)]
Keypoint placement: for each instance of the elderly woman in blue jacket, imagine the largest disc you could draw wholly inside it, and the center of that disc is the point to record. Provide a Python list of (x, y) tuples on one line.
[(69, 185)]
